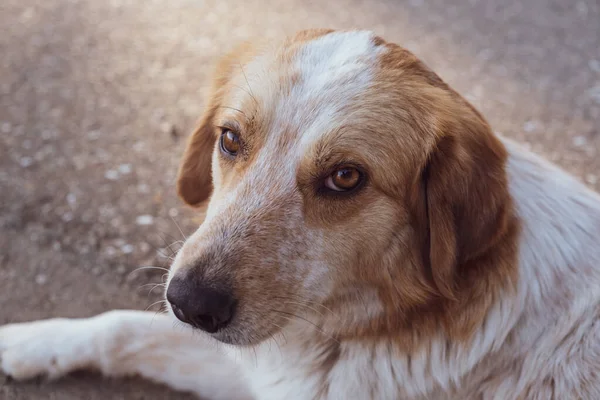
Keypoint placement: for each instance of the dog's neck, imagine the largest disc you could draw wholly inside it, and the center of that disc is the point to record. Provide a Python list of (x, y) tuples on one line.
[(557, 214)]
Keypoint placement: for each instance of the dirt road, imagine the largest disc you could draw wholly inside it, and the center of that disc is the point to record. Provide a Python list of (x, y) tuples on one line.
[(97, 96)]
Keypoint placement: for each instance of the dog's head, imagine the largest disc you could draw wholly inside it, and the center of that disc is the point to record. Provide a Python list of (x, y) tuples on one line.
[(349, 186)]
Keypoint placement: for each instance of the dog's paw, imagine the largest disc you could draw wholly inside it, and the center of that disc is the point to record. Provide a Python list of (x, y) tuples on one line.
[(42, 348)]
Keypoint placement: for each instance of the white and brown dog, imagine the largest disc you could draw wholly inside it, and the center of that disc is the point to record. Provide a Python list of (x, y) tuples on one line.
[(367, 237)]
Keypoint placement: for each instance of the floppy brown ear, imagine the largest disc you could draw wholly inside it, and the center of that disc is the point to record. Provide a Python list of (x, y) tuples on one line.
[(194, 180), (465, 198)]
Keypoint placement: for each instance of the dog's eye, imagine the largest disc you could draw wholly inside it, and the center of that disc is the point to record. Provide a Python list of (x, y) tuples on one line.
[(230, 142), (344, 179)]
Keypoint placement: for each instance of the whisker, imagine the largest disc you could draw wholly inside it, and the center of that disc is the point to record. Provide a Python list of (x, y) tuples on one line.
[(248, 83), (154, 286), (282, 333), (255, 357), (275, 338), (159, 251), (168, 247), (304, 301), (163, 285), (153, 304), (162, 310), (361, 299), (234, 109), (305, 305), (246, 90), (178, 227), (173, 238), (164, 240), (150, 267), (292, 316), (174, 243)]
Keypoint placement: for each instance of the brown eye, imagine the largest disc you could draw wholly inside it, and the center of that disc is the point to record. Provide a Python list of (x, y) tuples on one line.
[(344, 179), (230, 142)]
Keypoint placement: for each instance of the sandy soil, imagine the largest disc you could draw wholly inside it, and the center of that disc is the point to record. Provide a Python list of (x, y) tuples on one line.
[(97, 96)]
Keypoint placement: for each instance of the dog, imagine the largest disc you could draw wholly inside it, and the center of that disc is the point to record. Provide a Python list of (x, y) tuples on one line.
[(367, 236)]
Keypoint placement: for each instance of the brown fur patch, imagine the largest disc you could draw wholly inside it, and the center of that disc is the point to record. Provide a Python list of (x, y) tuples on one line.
[(464, 230)]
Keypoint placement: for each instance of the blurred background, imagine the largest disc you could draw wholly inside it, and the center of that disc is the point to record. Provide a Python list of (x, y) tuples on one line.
[(97, 97)]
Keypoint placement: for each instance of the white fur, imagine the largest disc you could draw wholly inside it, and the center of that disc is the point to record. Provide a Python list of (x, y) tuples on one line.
[(549, 332), (120, 343), (326, 66)]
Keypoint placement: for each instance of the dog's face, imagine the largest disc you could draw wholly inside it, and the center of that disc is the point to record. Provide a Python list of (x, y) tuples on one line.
[(348, 186)]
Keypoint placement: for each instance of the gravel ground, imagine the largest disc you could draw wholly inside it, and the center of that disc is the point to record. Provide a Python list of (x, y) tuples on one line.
[(96, 98)]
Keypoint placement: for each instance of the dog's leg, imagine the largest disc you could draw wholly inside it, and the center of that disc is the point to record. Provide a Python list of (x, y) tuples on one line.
[(121, 343)]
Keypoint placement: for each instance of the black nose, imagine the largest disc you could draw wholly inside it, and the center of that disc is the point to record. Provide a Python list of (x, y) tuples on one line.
[(203, 307)]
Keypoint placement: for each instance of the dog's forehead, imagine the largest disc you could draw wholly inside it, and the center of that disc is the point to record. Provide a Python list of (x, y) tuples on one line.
[(331, 73), (305, 89), (333, 58)]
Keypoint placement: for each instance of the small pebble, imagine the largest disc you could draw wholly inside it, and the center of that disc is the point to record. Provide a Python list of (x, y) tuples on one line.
[(143, 188), (111, 174), (68, 216), (93, 135), (26, 162), (529, 126), (582, 8), (125, 169), (144, 247), (110, 251), (591, 179), (173, 212), (6, 127), (71, 199), (41, 279), (127, 248), (144, 220), (579, 141)]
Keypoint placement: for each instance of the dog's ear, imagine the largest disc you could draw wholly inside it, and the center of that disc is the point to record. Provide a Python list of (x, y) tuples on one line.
[(194, 180), (464, 207)]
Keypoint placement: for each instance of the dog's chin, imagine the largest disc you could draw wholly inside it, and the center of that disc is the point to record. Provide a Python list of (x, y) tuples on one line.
[(243, 337), (233, 334), (226, 336)]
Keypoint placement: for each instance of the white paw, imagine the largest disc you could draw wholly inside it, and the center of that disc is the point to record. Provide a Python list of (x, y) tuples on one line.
[(50, 348)]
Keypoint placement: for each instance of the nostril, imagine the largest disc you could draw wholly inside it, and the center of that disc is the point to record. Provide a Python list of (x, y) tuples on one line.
[(207, 323), (206, 308), (179, 314), (217, 318), (175, 307)]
